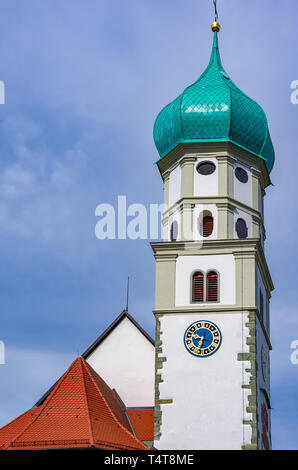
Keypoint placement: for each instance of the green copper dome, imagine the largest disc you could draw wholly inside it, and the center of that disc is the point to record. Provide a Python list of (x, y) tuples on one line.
[(214, 109)]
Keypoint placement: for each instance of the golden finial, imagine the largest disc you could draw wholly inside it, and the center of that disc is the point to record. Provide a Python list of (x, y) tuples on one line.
[(215, 26)]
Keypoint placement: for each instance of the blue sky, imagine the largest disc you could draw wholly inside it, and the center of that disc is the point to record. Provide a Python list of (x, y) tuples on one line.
[(84, 83)]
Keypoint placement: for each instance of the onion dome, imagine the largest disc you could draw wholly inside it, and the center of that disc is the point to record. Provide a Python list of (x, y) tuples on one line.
[(214, 109)]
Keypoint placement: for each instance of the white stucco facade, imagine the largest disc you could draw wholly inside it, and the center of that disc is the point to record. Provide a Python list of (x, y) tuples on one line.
[(239, 214), (175, 185), (200, 210), (243, 191), (125, 360), (175, 217), (263, 386), (209, 403), (186, 265), (206, 185)]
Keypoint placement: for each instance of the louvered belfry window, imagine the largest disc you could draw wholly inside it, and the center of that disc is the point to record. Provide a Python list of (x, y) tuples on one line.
[(198, 287), (212, 287), (207, 225)]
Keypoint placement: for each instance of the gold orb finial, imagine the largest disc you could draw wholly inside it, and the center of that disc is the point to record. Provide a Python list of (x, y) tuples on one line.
[(215, 26)]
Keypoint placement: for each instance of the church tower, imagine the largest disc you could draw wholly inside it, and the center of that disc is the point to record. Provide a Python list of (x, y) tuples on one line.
[(213, 286)]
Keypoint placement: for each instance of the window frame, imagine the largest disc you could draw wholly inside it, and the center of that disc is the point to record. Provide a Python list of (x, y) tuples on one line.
[(205, 274)]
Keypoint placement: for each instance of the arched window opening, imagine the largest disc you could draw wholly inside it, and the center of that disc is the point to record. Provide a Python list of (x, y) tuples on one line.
[(241, 228), (198, 287), (174, 231), (212, 287), (206, 224)]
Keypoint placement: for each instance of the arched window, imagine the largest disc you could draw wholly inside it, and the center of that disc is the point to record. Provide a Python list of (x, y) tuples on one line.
[(205, 223), (198, 287), (174, 231), (241, 228), (212, 287)]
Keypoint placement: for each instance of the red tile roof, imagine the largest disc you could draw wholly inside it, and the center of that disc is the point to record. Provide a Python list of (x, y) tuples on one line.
[(80, 411), (142, 421)]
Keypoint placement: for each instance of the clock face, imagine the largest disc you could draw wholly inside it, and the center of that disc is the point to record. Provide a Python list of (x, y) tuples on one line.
[(264, 363), (202, 338)]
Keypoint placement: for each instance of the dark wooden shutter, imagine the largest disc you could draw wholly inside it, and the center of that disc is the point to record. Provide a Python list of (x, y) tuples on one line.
[(207, 225), (198, 287), (212, 287)]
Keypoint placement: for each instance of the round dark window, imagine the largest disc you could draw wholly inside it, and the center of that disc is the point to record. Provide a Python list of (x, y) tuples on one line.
[(174, 231), (206, 168), (241, 228), (241, 175)]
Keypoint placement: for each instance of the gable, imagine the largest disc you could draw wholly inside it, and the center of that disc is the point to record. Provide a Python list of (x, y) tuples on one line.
[(125, 359)]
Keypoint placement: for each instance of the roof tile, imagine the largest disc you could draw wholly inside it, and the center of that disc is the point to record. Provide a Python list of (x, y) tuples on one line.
[(80, 411)]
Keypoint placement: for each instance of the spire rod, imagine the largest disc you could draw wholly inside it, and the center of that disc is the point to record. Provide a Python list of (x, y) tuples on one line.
[(127, 293), (215, 10), (215, 25)]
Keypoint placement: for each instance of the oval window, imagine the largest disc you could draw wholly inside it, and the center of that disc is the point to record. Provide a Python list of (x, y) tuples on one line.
[(174, 231), (241, 175), (206, 168), (241, 228)]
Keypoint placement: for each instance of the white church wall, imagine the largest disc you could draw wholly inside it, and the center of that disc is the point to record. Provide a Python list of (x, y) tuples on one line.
[(198, 211), (175, 185), (239, 214), (243, 191), (263, 380), (206, 185), (211, 386), (261, 288), (125, 360), (261, 201), (176, 216), (223, 264)]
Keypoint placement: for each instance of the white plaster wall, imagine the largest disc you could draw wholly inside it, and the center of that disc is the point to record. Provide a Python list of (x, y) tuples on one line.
[(261, 201), (198, 209), (206, 185), (176, 216), (243, 191), (209, 403), (261, 286), (261, 382), (175, 185), (126, 361), (223, 264), (239, 214)]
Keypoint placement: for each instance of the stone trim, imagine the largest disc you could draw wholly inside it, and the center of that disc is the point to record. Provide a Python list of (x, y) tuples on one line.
[(159, 360), (219, 246), (203, 149), (252, 407), (211, 200)]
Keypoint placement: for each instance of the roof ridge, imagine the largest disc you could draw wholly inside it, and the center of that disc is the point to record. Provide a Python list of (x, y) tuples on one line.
[(111, 327), (82, 363), (110, 409)]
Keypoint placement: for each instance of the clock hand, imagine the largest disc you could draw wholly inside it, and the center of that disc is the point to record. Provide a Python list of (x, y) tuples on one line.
[(201, 338)]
